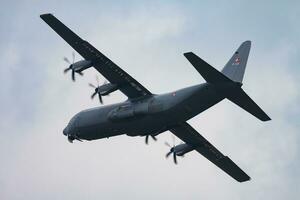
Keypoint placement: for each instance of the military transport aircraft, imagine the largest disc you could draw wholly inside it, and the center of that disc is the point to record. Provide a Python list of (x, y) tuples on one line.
[(147, 114)]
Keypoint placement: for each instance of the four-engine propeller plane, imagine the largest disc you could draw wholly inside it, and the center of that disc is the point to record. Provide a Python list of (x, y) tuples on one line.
[(147, 114)]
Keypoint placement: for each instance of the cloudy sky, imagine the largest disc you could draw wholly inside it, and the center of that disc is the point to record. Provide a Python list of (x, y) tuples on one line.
[(147, 39)]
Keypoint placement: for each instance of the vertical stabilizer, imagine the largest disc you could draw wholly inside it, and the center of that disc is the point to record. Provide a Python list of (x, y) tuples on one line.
[(235, 68)]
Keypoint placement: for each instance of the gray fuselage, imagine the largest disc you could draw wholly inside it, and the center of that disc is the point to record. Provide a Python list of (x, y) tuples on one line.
[(145, 116)]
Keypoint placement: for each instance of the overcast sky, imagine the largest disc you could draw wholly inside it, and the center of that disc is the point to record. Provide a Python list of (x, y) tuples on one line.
[(147, 39)]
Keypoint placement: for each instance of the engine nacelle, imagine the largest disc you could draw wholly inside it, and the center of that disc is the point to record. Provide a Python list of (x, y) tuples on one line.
[(182, 149), (107, 88), (81, 65)]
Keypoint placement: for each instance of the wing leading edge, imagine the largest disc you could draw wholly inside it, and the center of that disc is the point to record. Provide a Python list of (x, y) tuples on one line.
[(188, 134), (114, 74)]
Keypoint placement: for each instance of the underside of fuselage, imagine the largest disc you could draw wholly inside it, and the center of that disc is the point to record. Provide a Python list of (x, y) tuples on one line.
[(150, 116)]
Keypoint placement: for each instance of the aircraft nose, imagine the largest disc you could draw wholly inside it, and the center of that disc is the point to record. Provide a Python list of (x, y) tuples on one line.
[(65, 131)]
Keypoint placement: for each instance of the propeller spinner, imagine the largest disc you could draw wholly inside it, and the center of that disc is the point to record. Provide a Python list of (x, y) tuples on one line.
[(147, 138), (97, 91), (172, 150), (71, 66)]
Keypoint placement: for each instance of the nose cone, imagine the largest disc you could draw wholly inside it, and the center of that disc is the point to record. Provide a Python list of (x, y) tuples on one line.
[(71, 130), (65, 131), (68, 130)]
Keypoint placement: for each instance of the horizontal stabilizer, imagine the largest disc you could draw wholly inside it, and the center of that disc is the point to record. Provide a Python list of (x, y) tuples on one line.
[(240, 98), (210, 74), (232, 86)]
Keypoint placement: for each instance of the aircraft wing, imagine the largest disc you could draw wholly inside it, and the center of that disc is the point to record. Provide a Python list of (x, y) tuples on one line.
[(188, 134), (114, 74)]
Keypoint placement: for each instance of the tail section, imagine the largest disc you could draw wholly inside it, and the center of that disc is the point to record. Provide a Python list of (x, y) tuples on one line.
[(240, 98), (210, 74), (229, 82), (235, 68)]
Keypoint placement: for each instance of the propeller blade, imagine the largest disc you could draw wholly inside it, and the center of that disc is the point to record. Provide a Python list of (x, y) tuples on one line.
[(73, 75), (91, 85), (174, 157), (67, 60), (80, 73), (73, 56), (153, 137), (168, 144), (93, 95), (67, 69), (100, 98), (97, 80), (168, 154), (147, 138)]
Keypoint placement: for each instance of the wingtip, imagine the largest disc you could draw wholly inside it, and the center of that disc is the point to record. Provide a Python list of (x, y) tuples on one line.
[(245, 180), (187, 54), (45, 15), (267, 119)]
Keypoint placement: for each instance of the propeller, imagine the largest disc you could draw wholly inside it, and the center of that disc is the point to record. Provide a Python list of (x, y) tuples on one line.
[(172, 151), (147, 138), (71, 66), (97, 90)]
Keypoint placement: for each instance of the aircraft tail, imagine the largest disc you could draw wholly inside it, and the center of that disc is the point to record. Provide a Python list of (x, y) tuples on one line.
[(240, 98), (235, 67), (229, 82)]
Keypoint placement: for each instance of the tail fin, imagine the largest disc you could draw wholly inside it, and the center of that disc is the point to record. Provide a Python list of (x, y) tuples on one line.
[(231, 77), (235, 68)]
